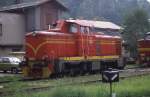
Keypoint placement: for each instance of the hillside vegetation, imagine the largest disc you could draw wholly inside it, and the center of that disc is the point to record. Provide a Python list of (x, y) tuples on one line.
[(112, 10)]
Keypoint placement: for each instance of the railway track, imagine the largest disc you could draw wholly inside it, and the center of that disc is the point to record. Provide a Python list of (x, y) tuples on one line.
[(127, 70), (88, 79), (134, 73)]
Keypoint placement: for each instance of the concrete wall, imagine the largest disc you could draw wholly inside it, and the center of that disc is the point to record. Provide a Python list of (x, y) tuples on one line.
[(30, 20), (13, 29), (5, 51), (39, 17)]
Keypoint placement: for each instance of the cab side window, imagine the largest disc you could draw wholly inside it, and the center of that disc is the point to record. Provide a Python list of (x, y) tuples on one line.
[(73, 28)]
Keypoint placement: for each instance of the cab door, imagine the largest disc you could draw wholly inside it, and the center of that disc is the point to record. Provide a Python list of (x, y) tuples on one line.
[(86, 42)]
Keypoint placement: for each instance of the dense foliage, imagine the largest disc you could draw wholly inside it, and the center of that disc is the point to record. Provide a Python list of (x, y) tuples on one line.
[(112, 10), (135, 26)]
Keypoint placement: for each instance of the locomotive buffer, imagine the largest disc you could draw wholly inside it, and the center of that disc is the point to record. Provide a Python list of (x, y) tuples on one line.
[(110, 76)]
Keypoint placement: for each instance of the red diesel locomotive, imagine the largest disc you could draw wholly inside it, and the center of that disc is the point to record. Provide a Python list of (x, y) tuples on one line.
[(72, 47), (144, 50)]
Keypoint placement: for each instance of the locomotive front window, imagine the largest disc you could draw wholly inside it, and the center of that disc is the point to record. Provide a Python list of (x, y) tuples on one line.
[(73, 28), (84, 29)]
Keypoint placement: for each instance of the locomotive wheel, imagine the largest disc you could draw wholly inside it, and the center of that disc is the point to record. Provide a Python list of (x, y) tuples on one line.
[(5, 71), (105, 65), (89, 67), (82, 68), (71, 72), (52, 76)]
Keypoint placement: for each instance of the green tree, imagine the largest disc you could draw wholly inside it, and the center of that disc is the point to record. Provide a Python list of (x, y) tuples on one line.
[(6, 2), (135, 26)]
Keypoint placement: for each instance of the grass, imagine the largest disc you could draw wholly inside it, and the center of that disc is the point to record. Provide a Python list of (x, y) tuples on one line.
[(131, 87), (132, 65), (15, 84), (10, 78)]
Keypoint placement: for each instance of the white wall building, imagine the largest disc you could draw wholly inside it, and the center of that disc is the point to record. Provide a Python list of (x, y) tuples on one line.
[(11, 28)]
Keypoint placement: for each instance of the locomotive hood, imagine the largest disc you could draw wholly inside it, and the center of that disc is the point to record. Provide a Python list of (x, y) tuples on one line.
[(45, 33)]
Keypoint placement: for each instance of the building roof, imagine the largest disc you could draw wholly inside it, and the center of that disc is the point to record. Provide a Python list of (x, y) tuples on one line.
[(29, 4), (96, 24)]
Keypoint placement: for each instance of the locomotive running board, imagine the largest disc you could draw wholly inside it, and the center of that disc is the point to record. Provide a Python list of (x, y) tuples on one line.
[(89, 58), (144, 49)]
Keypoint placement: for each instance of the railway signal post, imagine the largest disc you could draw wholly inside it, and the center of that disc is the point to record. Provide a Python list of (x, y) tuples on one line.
[(110, 76)]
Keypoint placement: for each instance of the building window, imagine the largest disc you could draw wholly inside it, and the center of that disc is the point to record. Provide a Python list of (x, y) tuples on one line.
[(1, 32)]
